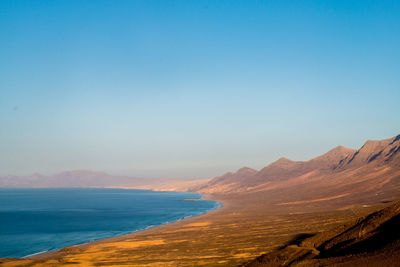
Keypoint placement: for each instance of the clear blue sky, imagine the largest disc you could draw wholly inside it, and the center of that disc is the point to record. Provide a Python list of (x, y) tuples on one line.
[(192, 88)]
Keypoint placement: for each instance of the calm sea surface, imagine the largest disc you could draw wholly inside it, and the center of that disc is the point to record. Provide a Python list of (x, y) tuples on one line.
[(39, 220)]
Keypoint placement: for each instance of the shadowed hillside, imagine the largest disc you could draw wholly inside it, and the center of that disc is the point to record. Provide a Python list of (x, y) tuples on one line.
[(373, 240)]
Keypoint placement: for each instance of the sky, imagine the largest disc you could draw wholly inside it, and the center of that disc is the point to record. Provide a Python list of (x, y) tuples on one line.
[(190, 89)]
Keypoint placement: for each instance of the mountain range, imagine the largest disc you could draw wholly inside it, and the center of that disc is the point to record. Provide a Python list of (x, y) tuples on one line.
[(342, 175), (76, 178), (369, 174)]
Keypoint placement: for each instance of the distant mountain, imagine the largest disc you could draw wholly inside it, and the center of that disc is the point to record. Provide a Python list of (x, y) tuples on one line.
[(372, 172), (77, 178), (177, 185)]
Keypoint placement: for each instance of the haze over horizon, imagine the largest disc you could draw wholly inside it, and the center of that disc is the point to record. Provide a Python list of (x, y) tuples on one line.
[(192, 89)]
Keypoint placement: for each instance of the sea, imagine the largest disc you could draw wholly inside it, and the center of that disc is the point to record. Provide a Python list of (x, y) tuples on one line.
[(37, 221)]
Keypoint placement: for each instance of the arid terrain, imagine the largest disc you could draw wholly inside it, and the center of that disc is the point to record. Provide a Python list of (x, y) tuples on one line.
[(310, 212), (373, 240), (230, 236)]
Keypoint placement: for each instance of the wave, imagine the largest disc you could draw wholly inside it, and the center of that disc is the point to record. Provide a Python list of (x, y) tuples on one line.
[(35, 254)]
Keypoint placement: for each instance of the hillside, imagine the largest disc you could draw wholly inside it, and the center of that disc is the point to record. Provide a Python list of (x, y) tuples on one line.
[(373, 240)]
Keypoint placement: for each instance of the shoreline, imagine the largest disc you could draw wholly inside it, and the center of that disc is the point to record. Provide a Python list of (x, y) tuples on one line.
[(220, 237), (50, 255), (218, 205)]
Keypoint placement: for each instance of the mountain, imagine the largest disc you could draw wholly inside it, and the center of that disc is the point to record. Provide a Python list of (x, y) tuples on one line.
[(77, 178), (371, 173), (373, 240), (226, 182), (383, 152)]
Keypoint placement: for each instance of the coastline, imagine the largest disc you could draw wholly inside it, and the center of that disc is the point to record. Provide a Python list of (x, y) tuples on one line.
[(220, 237), (50, 255), (216, 205)]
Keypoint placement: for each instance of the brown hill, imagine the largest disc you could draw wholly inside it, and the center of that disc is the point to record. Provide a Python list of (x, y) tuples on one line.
[(226, 182), (373, 240)]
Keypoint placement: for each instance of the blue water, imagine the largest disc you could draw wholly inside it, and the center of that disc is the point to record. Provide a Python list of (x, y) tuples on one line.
[(38, 220)]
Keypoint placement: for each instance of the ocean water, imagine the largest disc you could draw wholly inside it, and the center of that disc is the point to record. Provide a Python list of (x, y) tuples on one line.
[(39, 220)]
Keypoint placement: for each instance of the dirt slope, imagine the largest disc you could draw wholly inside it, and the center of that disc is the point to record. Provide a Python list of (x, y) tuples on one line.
[(373, 240)]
